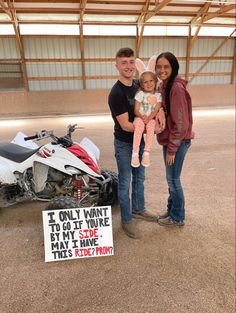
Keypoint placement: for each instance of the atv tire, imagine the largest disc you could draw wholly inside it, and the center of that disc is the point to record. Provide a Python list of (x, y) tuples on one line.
[(62, 203), (112, 189)]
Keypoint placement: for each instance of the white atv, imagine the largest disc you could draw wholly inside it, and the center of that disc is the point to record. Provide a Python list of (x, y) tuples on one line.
[(64, 173)]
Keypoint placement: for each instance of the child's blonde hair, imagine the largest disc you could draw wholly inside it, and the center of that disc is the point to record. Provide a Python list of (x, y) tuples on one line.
[(141, 78)]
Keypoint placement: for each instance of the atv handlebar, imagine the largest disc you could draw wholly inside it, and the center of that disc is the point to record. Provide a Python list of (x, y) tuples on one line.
[(40, 135), (30, 137), (65, 141), (71, 129)]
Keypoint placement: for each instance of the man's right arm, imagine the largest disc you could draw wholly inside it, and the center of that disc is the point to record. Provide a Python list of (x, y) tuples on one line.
[(123, 120)]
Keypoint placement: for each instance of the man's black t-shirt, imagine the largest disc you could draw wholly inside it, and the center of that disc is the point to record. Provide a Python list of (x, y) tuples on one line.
[(121, 100)]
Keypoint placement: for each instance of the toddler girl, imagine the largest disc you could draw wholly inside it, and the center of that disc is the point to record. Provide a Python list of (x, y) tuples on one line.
[(147, 105)]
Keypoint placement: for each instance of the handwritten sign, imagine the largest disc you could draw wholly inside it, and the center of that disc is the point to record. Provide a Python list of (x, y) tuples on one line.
[(77, 233)]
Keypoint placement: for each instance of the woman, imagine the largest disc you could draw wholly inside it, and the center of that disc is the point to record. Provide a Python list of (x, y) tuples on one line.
[(176, 138)]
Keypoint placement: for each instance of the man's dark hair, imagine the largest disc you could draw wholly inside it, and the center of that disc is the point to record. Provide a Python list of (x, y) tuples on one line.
[(124, 52)]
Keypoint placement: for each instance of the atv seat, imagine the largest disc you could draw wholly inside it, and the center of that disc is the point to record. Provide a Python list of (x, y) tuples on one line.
[(16, 153)]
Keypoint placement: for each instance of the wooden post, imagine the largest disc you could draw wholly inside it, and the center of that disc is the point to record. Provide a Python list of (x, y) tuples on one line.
[(187, 64), (232, 79)]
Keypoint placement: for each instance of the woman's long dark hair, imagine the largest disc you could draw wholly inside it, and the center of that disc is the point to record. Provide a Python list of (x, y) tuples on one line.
[(175, 70)]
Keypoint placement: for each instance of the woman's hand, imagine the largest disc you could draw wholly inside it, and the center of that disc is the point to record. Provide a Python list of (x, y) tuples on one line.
[(158, 128), (161, 121), (170, 159)]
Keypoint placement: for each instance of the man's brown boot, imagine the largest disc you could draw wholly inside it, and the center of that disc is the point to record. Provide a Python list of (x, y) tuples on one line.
[(131, 231), (145, 215), (162, 215)]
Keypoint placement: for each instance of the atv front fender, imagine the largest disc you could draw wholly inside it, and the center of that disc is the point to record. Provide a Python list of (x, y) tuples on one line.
[(6, 175)]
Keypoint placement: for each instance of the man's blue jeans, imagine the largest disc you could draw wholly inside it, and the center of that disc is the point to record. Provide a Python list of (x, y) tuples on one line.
[(123, 154), (176, 201)]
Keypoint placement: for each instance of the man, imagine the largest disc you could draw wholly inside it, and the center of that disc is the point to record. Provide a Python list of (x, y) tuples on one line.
[(121, 103)]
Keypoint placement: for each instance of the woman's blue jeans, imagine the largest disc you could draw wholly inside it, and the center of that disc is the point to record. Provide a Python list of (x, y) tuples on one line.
[(123, 154), (176, 201)]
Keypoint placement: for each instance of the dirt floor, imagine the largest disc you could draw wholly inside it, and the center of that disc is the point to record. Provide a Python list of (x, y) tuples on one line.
[(168, 270)]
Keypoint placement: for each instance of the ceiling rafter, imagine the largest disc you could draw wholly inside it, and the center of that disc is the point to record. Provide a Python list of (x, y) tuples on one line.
[(62, 22), (105, 11), (163, 8), (189, 3), (202, 13), (143, 12), (199, 14), (221, 11), (83, 4), (146, 15), (141, 24), (4, 7), (157, 9)]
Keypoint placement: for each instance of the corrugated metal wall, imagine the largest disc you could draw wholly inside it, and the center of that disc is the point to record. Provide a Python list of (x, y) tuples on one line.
[(10, 71), (103, 48), (206, 47), (53, 48), (8, 50), (156, 46), (69, 47)]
